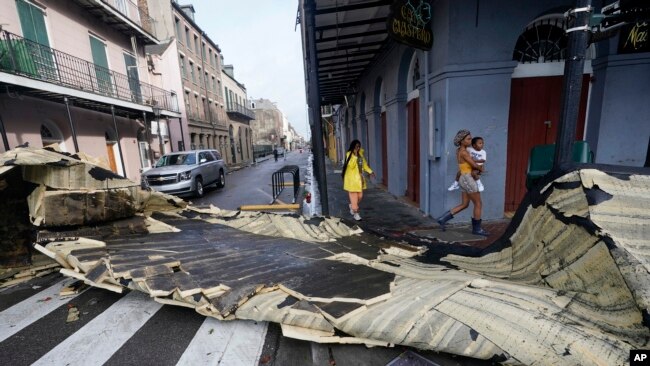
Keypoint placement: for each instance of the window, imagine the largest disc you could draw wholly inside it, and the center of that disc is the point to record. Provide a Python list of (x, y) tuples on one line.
[(214, 85), (187, 38), (196, 44), (207, 82), (188, 107), (210, 55), (198, 107), (144, 154), (179, 30), (203, 51), (192, 72), (182, 62)]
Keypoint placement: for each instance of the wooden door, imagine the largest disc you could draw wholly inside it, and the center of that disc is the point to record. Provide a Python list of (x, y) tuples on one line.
[(413, 151), (111, 158), (534, 117), (384, 150)]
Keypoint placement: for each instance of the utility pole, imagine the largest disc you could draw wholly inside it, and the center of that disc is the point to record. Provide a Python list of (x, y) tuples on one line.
[(572, 83), (308, 24)]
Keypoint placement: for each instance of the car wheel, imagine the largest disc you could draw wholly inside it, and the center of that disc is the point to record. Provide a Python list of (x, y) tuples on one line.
[(199, 187), (221, 182)]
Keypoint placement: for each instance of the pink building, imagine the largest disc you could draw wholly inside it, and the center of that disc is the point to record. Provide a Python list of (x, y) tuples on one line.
[(75, 73)]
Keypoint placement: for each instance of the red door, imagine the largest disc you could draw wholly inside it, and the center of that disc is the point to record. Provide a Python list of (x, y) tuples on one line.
[(534, 116), (384, 150), (413, 152)]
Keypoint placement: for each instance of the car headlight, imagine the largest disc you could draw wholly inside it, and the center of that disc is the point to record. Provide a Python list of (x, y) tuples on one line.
[(185, 175)]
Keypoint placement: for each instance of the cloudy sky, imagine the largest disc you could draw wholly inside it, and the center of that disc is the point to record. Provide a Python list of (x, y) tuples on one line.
[(258, 38)]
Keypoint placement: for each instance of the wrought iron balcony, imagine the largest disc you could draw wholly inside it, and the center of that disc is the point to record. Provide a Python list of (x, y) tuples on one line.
[(125, 15), (238, 110), (23, 57)]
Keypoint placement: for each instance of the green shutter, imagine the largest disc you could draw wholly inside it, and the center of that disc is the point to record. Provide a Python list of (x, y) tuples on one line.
[(134, 78), (32, 22), (103, 75)]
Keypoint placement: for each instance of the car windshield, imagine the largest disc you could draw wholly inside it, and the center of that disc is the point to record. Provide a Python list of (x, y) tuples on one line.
[(177, 159)]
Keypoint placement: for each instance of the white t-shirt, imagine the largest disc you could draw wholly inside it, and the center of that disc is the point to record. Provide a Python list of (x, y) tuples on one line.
[(477, 155)]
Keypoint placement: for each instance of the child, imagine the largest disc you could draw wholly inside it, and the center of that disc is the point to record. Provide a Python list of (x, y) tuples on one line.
[(479, 155)]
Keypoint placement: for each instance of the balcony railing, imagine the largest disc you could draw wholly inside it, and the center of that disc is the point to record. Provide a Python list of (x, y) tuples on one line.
[(21, 56), (135, 13), (241, 110)]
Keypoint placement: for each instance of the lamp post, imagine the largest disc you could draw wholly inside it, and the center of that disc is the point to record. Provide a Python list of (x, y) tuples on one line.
[(156, 113)]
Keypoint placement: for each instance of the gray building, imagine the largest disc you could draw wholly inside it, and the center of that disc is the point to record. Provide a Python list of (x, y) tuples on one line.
[(494, 68)]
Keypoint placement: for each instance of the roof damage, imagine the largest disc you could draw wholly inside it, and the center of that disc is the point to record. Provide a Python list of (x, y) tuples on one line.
[(568, 283)]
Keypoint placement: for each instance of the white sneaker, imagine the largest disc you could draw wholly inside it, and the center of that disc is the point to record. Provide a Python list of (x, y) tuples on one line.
[(351, 210), (480, 186), (454, 186), (357, 216)]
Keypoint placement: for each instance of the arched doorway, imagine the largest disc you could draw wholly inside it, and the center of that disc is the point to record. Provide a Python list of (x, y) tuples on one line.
[(240, 147), (413, 134), (51, 135), (536, 90)]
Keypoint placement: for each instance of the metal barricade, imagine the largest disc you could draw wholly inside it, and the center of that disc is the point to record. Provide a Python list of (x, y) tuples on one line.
[(277, 181)]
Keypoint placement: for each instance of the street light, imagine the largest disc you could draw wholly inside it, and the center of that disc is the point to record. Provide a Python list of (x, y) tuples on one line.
[(156, 113)]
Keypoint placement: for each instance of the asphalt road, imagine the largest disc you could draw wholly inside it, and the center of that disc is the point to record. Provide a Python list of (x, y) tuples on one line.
[(252, 185)]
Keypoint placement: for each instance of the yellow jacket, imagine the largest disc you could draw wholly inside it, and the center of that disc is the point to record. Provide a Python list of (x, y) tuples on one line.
[(353, 181)]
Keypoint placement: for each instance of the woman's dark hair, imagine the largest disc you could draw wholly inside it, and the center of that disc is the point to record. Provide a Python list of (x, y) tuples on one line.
[(475, 140), (353, 144)]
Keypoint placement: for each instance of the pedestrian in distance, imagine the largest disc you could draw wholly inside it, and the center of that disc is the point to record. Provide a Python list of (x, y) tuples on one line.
[(467, 184), (479, 155), (353, 180), (275, 154)]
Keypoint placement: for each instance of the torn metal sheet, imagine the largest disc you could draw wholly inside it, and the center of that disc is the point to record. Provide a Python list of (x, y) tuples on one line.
[(567, 284)]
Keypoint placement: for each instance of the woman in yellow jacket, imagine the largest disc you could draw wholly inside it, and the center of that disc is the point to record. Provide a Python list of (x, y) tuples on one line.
[(353, 180)]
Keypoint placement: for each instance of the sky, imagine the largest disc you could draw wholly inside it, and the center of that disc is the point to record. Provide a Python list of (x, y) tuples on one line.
[(258, 38)]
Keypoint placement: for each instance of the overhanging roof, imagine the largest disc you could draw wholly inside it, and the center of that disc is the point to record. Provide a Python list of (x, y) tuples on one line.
[(349, 35)]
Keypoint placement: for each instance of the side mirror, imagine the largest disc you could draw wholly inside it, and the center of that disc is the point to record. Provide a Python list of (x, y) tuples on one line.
[(203, 160)]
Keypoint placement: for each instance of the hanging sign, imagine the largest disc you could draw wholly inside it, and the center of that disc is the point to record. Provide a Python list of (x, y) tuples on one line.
[(634, 38), (409, 22)]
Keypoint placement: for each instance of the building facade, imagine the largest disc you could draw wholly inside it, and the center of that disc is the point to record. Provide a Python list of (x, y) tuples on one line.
[(239, 144), (267, 126), (496, 69), (198, 60), (99, 101)]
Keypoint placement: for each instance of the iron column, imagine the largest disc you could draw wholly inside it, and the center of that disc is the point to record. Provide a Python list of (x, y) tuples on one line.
[(72, 129), (572, 83), (3, 131), (308, 24)]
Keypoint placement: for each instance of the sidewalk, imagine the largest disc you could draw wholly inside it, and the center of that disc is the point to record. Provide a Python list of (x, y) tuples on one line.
[(387, 215)]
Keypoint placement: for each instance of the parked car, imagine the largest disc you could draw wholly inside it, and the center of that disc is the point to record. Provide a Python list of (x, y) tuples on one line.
[(186, 172)]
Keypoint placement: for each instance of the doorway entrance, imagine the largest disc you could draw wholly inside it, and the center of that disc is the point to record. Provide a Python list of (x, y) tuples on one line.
[(534, 118), (413, 151)]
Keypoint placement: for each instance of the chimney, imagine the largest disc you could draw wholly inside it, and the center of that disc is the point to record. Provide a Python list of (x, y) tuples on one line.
[(230, 70)]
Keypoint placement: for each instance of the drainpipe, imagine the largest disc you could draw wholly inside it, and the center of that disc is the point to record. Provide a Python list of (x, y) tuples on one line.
[(572, 83), (3, 132), (74, 132), (427, 184), (117, 137)]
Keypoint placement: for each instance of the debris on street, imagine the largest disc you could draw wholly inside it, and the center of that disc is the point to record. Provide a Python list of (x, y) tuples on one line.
[(568, 283)]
